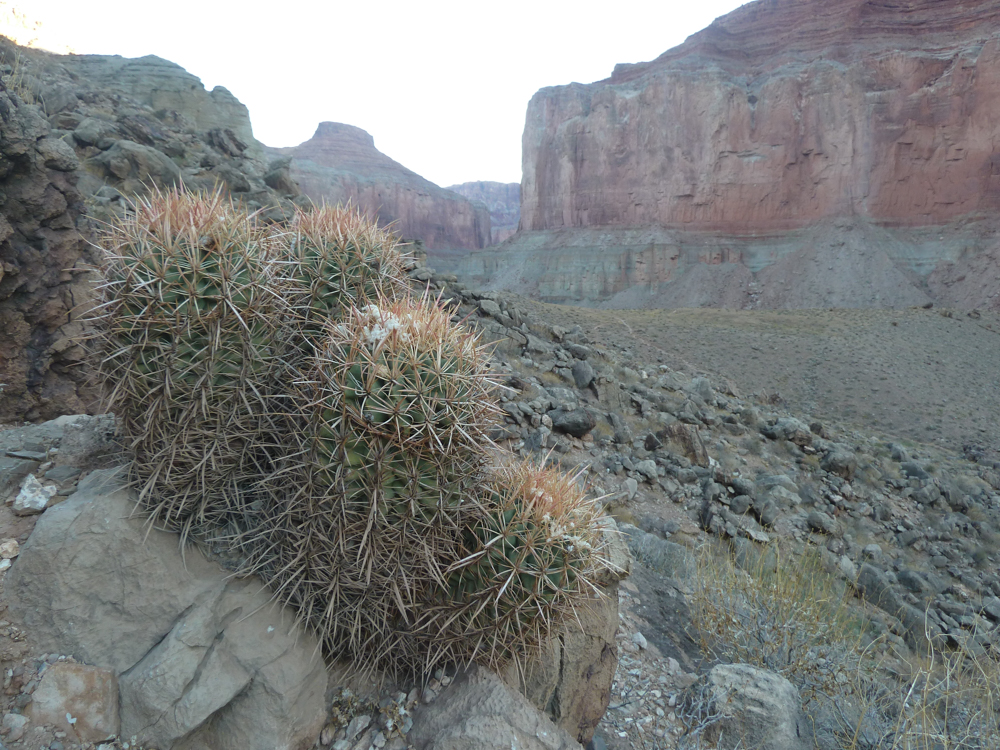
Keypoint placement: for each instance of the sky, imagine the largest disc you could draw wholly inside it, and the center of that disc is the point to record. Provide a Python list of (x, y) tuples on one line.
[(442, 86)]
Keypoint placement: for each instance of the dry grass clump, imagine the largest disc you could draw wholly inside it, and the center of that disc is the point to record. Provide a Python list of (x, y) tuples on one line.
[(798, 620), (785, 615)]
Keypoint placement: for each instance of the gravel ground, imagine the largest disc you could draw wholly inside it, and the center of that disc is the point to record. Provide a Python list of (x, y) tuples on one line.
[(930, 376)]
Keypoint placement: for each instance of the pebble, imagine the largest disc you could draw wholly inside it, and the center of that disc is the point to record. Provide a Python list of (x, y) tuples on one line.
[(358, 725), (9, 549), (639, 640)]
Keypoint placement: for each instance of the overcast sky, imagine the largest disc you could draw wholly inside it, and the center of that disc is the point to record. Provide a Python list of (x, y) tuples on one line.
[(441, 85)]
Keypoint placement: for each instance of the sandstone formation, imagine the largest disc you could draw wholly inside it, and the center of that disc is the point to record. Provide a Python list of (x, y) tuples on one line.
[(780, 117), (340, 163), (503, 199)]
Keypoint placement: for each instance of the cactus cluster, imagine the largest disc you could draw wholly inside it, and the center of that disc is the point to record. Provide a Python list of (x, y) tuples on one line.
[(284, 382)]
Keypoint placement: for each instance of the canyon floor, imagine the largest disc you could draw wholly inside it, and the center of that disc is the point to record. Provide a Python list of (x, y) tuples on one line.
[(927, 375)]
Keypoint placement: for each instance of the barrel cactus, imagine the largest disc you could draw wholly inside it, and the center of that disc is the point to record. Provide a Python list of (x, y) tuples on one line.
[(185, 329), (524, 563), (334, 258), (392, 436), (281, 386)]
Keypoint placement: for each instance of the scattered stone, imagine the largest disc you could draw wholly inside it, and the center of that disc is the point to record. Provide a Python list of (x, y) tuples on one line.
[(9, 549), (647, 468), (841, 462), (822, 523), (583, 373), (12, 473), (78, 699), (33, 497), (14, 726), (577, 422), (631, 487), (669, 558)]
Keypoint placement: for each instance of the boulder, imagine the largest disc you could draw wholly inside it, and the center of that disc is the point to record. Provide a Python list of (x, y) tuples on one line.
[(840, 461), (577, 422), (759, 709), (583, 373), (204, 660), (478, 712)]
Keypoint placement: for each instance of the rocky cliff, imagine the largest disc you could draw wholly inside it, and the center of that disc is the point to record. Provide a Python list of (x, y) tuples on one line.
[(503, 199), (43, 268), (780, 116), (80, 135), (340, 163)]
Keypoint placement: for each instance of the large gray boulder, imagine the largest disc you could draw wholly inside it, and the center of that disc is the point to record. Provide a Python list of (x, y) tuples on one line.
[(759, 709), (477, 712), (204, 660)]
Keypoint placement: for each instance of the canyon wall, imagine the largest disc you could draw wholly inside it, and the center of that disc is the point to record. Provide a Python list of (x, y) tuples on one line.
[(780, 116), (340, 163), (503, 199)]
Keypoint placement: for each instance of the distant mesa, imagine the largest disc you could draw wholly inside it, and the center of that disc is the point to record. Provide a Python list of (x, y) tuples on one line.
[(340, 163), (795, 153)]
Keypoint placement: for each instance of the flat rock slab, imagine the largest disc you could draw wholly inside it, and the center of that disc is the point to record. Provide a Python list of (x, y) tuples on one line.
[(203, 660), (79, 699)]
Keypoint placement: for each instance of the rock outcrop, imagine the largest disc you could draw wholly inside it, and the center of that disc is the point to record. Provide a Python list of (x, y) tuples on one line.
[(82, 134), (202, 660), (340, 163), (476, 712), (503, 199), (43, 268), (780, 117)]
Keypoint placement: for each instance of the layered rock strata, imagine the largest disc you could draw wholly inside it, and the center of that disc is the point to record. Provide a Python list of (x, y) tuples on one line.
[(340, 163), (780, 116)]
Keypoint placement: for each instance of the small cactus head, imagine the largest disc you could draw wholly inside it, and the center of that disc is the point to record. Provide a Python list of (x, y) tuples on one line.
[(404, 371), (530, 557), (335, 258)]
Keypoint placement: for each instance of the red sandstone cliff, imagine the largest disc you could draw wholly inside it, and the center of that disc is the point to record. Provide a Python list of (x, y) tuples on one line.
[(781, 116), (777, 115), (340, 163)]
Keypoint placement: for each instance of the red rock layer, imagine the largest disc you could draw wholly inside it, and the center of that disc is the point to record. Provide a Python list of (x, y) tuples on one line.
[(781, 114)]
